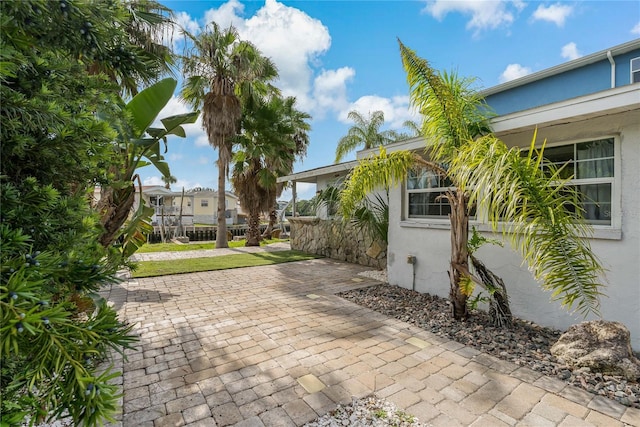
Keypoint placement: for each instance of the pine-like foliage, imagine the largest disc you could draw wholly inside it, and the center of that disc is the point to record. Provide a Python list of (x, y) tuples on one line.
[(54, 328)]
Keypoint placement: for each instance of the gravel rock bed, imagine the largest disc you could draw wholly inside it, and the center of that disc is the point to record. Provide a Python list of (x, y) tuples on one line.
[(525, 344), (369, 411)]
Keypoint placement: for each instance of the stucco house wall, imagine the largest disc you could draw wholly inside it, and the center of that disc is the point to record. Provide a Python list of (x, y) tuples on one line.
[(586, 99), (617, 247)]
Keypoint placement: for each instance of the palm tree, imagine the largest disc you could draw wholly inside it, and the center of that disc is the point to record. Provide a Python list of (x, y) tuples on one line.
[(168, 180), (223, 72), (266, 152), (364, 133), (506, 186), (143, 57), (295, 127)]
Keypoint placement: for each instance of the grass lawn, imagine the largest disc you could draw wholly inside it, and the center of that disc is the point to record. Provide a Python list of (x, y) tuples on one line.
[(177, 247), (193, 265)]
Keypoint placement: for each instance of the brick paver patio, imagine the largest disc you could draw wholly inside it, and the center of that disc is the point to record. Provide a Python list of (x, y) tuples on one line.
[(273, 346)]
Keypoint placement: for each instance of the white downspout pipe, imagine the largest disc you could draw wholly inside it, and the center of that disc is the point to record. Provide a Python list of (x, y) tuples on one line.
[(613, 69)]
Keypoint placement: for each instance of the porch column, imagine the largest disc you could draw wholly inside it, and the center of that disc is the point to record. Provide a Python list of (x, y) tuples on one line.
[(293, 199)]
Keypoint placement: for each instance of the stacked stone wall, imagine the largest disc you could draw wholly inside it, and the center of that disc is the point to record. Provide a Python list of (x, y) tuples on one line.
[(337, 240)]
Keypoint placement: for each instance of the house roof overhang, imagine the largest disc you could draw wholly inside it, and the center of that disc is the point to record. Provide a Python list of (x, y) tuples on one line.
[(608, 102), (311, 176)]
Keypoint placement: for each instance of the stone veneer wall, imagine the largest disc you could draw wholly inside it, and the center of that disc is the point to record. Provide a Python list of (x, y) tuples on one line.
[(334, 239)]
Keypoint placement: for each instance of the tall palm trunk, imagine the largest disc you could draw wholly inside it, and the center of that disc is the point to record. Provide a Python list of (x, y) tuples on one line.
[(253, 233), (221, 234), (459, 253)]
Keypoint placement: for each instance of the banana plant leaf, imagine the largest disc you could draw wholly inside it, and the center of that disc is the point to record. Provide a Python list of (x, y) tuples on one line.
[(146, 105)]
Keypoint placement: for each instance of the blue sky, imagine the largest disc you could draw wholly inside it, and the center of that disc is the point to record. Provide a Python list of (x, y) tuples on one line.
[(338, 56)]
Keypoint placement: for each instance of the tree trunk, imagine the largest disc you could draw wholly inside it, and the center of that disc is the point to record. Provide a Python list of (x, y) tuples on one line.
[(114, 207), (162, 233), (221, 233), (180, 231), (459, 253), (273, 218), (253, 232), (499, 309)]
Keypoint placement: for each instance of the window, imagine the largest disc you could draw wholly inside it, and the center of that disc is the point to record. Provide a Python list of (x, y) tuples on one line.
[(635, 70), (424, 188), (189, 203), (156, 200), (591, 163), (204, 203)]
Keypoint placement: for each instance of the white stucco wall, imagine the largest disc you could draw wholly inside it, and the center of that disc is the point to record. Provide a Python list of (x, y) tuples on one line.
[(618, 247)]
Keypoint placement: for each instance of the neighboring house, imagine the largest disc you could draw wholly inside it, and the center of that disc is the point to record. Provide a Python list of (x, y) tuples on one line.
[(588, 111), (205, 207), (198, 206)]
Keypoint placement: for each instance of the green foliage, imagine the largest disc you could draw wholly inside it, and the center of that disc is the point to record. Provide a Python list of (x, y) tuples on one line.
[(51, 337), (137, 145), (454, 113), (328, 198), (536, 211), (373, 216), (267, 147), (380, 413), (511, 191), (381, 171), (477, 240), (364, 133), (54, 328), (225, 75)]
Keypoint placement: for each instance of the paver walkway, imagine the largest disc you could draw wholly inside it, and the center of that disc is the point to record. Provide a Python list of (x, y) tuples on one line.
[(274, 346)]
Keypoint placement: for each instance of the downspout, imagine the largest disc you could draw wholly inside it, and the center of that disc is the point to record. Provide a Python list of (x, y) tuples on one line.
[(613, 69)]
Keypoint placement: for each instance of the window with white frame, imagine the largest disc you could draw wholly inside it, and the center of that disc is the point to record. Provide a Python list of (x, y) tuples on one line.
[(424, 188), (635, 70), (204, 203), (592, 166)]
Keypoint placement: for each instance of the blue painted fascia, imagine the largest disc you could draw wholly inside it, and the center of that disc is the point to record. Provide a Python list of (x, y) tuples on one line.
[(584, 78)]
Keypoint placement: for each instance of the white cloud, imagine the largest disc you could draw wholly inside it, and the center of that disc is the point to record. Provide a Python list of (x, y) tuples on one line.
[(184, 20), (330, 90), (203, 160), (294, 41), (556, 13), (570, 51), (514, 71), (227, 14), (636, 29), (153, 180), (175, 157), (202, 140), (186, 184), (484, 14), (396, 110)]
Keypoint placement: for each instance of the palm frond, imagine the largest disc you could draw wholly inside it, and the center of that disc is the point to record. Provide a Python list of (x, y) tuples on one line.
[(539, 212), (452, 112), (380, 171)]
